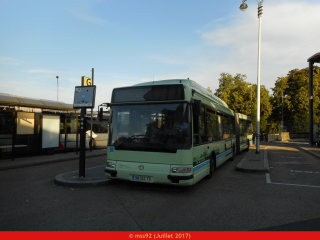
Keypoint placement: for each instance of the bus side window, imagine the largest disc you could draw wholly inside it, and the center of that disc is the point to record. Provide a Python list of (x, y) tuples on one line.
[(203, 127), (196, 129), (232, 127), (225, 127), (211, 126)]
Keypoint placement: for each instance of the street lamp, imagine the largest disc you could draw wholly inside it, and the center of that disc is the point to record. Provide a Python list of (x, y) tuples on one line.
[(243, 7), (57, 88)]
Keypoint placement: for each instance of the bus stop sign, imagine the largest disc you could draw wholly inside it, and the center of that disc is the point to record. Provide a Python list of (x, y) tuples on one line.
[(84, 96)]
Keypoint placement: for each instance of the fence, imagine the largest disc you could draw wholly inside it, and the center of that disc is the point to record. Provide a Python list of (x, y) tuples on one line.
[(299, 127)]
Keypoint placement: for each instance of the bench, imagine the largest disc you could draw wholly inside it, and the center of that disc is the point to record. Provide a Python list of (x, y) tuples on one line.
[(10, 146)]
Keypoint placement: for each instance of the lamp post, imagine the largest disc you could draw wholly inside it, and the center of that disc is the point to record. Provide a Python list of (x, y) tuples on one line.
[(57, 88), (250, 85), (243, 7), (282, 114)]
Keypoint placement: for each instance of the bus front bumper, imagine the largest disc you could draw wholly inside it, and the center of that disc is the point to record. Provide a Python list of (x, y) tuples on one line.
[(150, 172), (113, 173), (176, 179)]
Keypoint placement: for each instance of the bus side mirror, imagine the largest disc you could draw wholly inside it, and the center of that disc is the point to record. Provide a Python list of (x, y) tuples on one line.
[(197, 107), (100, 114)]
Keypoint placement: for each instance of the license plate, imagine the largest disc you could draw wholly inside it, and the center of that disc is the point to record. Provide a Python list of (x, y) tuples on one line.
[(141, 178)]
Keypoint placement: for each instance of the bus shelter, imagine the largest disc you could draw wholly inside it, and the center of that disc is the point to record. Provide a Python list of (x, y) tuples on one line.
[(30, 125)]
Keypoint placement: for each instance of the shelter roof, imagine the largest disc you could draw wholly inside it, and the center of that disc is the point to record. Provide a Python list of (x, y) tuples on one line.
[(12, 100), (315, 58)]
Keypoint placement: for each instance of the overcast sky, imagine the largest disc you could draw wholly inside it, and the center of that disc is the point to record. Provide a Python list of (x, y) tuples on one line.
[(133, 41)]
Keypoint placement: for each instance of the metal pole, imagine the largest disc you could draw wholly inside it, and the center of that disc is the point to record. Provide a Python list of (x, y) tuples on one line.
[(260, 8), (82, 157), (251, 107), (77, 137), (311, 103), (57, 88), (14, 132), (282, 112), (91, 115), (65, 133)]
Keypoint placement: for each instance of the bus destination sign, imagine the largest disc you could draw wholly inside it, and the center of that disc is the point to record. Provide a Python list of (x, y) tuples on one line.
[(148, 93)]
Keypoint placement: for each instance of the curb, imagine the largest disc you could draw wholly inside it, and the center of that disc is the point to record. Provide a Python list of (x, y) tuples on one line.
[(48, 161), (265, 168), (309, 151), (65, 179)]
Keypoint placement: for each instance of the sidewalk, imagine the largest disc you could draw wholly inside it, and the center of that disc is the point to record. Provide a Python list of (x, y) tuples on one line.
[(94, 176), (314, 150), (44, 159), (253, 162)]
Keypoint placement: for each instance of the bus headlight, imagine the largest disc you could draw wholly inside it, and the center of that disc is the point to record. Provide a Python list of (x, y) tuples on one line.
[(110, 165), (181, 169)]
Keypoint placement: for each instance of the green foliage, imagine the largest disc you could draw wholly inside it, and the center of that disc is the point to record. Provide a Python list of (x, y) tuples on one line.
[(290, 97), (209, 89), (274, 127), (295, 91), (237, 93)]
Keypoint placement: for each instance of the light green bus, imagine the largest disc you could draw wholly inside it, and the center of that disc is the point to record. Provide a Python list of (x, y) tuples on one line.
[(171, 132)]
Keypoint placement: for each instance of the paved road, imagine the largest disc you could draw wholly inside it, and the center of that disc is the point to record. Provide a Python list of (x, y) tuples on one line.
[(287, 198)]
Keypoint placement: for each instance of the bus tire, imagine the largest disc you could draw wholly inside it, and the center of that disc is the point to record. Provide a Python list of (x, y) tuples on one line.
[(212, 165)]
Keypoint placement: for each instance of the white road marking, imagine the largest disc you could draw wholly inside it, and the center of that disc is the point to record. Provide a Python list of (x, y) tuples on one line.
[(296, 171), (268, 179), (288, 184)]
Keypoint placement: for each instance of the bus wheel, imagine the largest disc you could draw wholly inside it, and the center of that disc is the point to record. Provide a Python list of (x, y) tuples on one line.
[(212, 166)]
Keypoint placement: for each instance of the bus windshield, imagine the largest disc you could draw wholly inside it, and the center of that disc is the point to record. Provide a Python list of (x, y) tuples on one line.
[(146, 127)]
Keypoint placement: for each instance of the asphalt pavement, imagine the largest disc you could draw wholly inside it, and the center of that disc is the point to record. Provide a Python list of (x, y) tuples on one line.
[(229, 201), (257, 161), (94, 176), (253, 161)]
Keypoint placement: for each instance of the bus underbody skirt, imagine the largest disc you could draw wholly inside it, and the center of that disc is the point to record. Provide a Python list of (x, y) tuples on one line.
[(112, 172), (176, 179)]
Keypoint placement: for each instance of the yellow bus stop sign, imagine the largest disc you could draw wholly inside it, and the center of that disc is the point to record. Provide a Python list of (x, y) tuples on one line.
[(86, 81)]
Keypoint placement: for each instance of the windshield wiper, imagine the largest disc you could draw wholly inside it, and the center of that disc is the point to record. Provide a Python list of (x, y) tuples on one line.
[(129, 140)]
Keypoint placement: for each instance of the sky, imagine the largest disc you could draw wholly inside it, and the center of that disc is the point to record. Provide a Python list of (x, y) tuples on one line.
[(132, 41)]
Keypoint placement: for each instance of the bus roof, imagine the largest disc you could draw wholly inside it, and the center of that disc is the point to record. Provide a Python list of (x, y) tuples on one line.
[(209, 97), (191, 84)]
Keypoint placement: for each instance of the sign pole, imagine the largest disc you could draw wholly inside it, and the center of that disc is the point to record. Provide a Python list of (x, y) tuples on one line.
[(84, 97), (91, 116), (82, 156)]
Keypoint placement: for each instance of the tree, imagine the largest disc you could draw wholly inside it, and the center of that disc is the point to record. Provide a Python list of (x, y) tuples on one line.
[(209, 89), (236, 93), (294, 89)]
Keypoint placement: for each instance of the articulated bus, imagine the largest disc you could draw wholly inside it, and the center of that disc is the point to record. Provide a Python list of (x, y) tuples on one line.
[(171, 132)]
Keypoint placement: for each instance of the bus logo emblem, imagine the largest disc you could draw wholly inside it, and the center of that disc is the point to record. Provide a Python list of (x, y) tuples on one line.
[(141, 166)]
